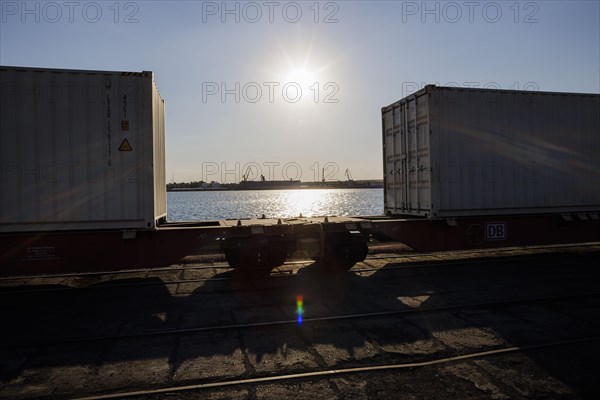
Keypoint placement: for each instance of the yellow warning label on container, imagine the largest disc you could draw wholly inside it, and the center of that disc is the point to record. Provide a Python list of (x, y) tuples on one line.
[(125, 146), (124, 125)]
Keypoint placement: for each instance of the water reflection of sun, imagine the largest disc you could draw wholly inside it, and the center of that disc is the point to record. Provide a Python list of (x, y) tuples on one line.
[(308, 202)]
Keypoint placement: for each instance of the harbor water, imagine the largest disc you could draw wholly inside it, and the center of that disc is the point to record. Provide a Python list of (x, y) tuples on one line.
[(230, 204)]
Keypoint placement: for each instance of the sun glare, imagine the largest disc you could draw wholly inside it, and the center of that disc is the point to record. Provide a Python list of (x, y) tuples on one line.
[(302, 77), (302, 74)]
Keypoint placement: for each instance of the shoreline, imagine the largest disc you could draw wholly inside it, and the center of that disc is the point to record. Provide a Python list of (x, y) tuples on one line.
[(240, 189)]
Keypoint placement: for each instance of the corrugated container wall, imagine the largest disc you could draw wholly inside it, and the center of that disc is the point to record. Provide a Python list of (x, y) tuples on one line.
[(80, 150), (451, 152)]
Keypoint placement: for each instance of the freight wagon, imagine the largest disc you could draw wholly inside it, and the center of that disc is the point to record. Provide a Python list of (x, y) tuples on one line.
[(83, 180)]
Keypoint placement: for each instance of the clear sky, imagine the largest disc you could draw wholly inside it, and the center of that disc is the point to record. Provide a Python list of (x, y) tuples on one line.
[(229, 71)]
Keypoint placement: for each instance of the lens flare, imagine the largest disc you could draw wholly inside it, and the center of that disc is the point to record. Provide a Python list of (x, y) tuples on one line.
[(299, 308)]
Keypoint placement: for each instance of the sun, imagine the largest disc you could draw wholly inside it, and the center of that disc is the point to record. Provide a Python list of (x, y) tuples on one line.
[(301, 73), (302, 76)]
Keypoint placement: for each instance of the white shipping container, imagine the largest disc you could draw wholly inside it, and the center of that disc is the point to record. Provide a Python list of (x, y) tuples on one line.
[(80, 150), (452, 152)]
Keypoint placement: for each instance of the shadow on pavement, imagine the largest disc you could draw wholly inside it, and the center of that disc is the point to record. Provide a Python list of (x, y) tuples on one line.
[(289, 346)]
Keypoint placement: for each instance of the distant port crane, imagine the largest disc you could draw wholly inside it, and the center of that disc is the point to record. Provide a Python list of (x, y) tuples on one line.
[(348, 175)]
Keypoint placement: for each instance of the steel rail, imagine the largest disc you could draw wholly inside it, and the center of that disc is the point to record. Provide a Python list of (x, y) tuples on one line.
[(214, 328), (341, 371)]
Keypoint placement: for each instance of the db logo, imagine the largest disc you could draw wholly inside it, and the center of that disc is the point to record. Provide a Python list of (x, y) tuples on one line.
[(495, 231)]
